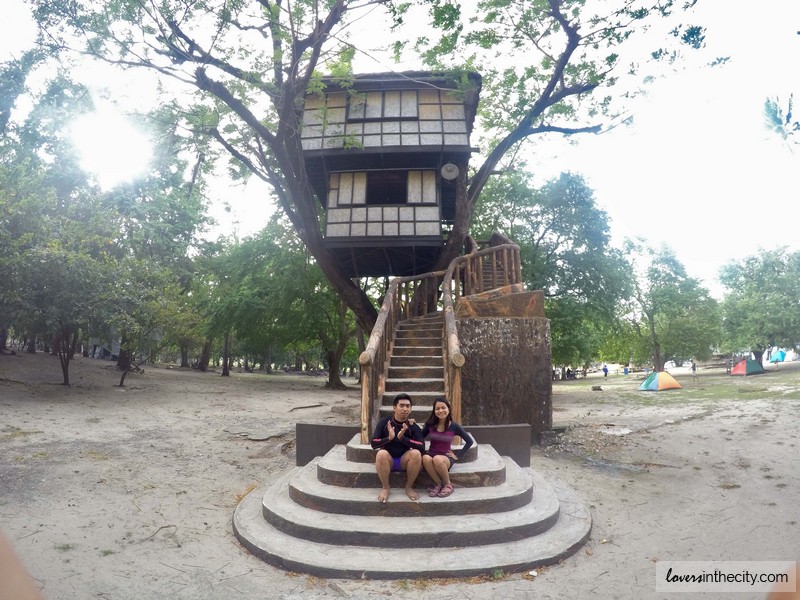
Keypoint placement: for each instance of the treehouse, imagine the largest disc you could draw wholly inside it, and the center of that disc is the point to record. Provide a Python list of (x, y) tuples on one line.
[(384, 155)]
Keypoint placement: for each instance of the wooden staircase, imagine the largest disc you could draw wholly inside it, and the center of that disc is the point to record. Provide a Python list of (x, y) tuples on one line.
[(416, 365)]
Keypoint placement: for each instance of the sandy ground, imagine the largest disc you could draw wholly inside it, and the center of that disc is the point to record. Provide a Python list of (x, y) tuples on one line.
[(128, 493)]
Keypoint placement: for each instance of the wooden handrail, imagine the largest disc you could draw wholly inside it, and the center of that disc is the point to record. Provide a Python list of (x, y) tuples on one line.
[(409, 297)]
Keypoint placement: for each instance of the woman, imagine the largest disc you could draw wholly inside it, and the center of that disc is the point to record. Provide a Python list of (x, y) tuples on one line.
[(440, 429)]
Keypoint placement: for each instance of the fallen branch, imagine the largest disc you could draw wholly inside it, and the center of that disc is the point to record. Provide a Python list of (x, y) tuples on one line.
[(309, 406)]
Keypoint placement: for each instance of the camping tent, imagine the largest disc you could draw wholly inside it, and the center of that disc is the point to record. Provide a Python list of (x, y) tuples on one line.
[(747, 367), (778, 356), (658, 381)]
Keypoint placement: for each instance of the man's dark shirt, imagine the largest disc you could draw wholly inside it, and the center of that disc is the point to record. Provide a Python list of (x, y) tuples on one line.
[(412, 438)]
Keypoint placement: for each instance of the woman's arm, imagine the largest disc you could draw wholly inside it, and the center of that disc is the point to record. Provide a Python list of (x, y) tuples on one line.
[(465, 437)]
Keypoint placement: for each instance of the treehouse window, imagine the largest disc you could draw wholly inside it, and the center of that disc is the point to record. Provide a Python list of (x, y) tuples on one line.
[(387, 187), (375, 106)]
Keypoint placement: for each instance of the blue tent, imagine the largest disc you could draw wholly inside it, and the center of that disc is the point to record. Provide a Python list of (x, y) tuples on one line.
[(778, 356)]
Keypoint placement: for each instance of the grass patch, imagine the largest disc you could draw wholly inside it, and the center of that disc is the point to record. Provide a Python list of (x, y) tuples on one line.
[(65, 547), (95, 455), (10, 432), (243, 495)]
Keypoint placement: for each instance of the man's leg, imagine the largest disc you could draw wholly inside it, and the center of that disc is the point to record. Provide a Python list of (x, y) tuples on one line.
[(411, 463), (383, 465)]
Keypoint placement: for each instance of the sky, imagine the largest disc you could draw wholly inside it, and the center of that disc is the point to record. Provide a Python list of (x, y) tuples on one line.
[(697, 170)]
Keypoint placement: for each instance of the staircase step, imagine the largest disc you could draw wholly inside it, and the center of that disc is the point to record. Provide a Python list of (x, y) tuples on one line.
[(363, 453), (418, 351), (334, 469), (413, 334), (423, 371), (566, 535), (434, 317), (515, 492), (415, 361), (418, 384), (417, 398), (417, 340), (419, 413), (382, 530)]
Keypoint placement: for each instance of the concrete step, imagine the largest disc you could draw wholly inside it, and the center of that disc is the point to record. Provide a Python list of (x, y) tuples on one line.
[(421, 532), (415, 372), (363, 453), (417, 340), (515, 492), (417, 384), (334, 469), (561, 540)]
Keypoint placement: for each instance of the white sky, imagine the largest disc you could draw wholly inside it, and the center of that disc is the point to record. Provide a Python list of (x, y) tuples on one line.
[(698, 170)]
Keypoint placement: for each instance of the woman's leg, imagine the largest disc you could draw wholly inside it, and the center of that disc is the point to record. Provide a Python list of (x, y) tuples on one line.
[(427, 464), (442, 466)]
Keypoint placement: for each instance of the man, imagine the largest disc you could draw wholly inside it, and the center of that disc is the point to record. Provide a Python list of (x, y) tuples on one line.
[(400, 446)]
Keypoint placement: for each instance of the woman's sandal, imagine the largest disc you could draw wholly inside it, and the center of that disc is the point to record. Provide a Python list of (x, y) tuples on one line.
[(434, 490), (445, 491)]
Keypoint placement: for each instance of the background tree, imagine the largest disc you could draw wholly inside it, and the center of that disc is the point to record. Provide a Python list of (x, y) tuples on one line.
[(761, 307), (565, 250), (253, 61), (275, 296), (676, 317)]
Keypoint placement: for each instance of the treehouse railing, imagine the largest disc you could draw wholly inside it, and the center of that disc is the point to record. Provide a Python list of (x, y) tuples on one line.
[(465, 276), (407, 297)]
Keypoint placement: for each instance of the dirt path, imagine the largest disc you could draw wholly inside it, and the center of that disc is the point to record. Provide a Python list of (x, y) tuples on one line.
[(128, 494)]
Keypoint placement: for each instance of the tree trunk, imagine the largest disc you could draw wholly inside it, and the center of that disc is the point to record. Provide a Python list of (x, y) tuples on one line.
[(205, 356), (185, 355), (61, 344), (334, 359), (32, 346), (73, 346), (226, 371), (3, 338), (124, 359)]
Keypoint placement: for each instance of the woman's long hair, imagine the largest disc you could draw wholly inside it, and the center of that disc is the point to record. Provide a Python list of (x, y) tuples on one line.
[(433, 420)]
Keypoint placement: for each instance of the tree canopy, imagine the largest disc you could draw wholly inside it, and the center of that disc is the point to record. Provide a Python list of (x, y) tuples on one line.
[(761, 307), (252, 62)]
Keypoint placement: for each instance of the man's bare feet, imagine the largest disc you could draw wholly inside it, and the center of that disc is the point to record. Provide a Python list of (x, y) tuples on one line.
[(383, 496), (411, 493)]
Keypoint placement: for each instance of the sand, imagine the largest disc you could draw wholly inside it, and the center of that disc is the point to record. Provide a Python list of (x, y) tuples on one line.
[(128, 493)]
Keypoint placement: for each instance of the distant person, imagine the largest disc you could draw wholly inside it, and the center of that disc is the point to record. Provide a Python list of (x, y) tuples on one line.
[(437, 461), (400, 445), (605, 370), (694, 370)]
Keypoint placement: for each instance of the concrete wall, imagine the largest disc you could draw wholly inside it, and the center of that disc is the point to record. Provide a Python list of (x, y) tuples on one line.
[(507, 376)]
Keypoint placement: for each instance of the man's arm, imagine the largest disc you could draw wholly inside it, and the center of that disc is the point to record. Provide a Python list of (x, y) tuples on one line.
[(379, 440), (413, 438)]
